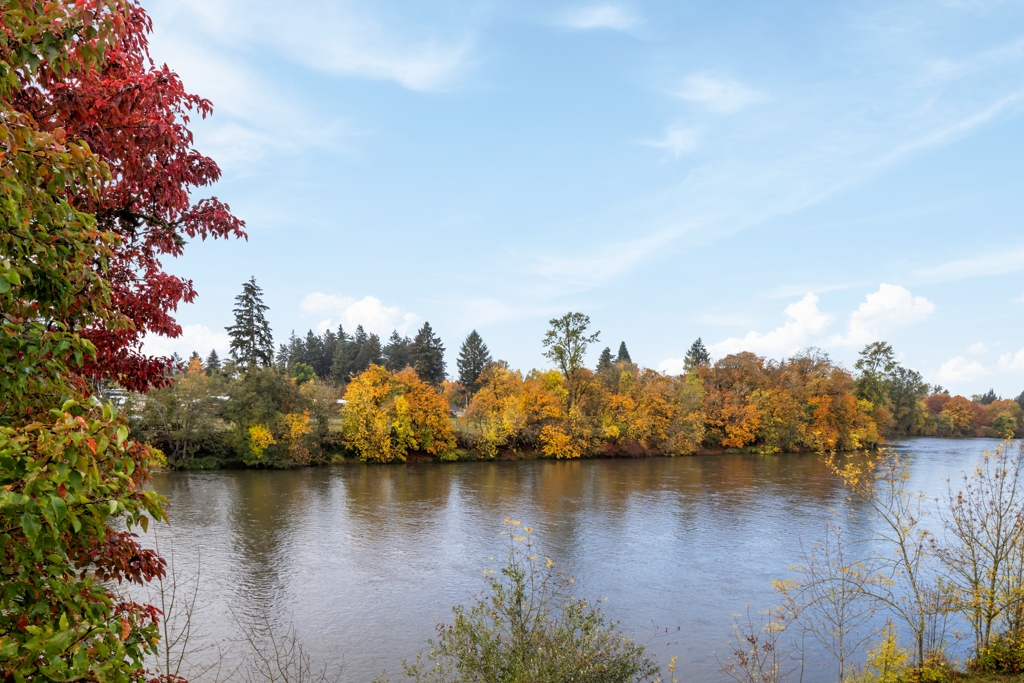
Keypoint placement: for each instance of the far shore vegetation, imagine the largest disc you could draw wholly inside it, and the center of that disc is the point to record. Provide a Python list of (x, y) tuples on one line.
[(338, 397)]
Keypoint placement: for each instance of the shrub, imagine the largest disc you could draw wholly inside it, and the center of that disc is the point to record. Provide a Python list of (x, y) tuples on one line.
[(528, 628), (1004, 655)]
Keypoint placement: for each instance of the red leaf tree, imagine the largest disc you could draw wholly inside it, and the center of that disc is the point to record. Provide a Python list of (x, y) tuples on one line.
[(134, 115)]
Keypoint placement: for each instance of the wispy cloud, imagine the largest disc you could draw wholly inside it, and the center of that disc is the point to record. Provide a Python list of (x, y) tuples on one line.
[(992, 263), (977, 348), (805, 320), (369, 312), (677, 140), (601, 16), (720, 95), (889, 308), (352, 39), (563, 275)]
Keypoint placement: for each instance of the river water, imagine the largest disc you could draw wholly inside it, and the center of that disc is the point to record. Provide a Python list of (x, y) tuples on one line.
[(364, 559)]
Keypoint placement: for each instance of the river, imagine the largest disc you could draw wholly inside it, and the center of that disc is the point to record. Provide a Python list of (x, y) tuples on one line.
[(365, 559)]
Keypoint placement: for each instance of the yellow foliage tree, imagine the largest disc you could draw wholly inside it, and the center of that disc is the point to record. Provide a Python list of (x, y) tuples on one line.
[(387, 415)]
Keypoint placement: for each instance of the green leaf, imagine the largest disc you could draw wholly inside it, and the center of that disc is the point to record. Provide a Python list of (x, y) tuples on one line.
[(60, 508), (122, 434), (5, 286), (31, 525)]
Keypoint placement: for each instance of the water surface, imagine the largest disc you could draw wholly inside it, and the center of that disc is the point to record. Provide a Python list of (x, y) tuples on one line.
[(366, 558)]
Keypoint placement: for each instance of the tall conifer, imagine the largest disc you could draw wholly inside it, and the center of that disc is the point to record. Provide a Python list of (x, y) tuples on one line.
[(623, 356), (697, 356), (212, 363), (427, 355), (252, 342), (396, 353), (473, 357)]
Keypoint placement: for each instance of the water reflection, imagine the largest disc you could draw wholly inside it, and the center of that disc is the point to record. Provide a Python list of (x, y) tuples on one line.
[(365, 558)]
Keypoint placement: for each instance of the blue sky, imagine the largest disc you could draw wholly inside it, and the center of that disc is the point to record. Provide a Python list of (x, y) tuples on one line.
[(766, 176)]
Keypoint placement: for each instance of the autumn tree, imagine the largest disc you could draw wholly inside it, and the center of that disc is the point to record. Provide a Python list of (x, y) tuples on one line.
[(696, 357), (252, 342), (387, 415), (72, 480), (566, 343), (427, 355), (473, 358), (134, 118)]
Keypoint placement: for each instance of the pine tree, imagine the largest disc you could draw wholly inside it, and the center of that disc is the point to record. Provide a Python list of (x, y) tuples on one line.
[(368, 351), (427, 355), (396, 353), (604, 363), (177, 364), (328, 345), (212, 363), (341, 360), (252, 342), (623, 356), (697, 356), (473, 358), (313, 350)]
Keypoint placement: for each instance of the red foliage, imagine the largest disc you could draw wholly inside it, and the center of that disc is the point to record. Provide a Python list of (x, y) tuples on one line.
[(135, 116), (936, 403), (120, 558)]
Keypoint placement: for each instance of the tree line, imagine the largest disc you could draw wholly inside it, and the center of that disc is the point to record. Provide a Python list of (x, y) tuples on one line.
[(334, 395)]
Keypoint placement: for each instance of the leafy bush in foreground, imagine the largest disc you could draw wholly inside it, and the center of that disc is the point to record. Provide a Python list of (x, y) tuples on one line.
[(528, 628)]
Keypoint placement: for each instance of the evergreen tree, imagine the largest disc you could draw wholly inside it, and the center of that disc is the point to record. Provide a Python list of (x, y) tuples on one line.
[(195, 356), (986, 398), (697, 356), (312, 350), (604, 363), (342, 358), (252, 343), (396, 353), (1020, 400), (177, 364), (328, 345), (367, 351), (427, 355), (212, 363), (623, 356), (473, 357)]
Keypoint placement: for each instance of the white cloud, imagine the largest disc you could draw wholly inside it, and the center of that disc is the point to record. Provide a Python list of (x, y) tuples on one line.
[(369, 312), (720, 95), (1012, 362), (199, 338), (979, 347), (805, 320), (889, 308), (959, 369), (678, 140), (993, 263), (601, 16)]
